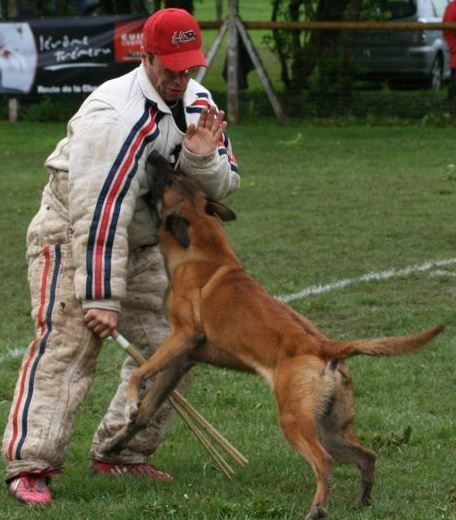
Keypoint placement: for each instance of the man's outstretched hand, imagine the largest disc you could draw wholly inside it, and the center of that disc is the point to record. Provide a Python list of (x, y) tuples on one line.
[(202, 138)]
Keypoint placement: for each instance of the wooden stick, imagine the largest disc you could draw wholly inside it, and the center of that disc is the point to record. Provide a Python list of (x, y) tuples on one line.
[(261, 71), (215, 434), (194, 420), (199, 434)]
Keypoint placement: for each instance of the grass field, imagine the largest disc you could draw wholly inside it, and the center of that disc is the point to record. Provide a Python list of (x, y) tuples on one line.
[(318, 204)]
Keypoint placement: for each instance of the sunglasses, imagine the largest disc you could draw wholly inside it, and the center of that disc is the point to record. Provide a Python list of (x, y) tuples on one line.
[(187, 73)]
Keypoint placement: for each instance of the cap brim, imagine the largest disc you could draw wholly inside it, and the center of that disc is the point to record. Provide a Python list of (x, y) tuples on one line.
[(183, 60)]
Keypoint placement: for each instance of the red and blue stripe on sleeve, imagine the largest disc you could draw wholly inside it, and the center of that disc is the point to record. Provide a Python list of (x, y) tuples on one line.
[(109, 204)]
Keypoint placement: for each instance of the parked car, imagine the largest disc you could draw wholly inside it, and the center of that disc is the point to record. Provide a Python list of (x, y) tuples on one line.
[(402, 56)]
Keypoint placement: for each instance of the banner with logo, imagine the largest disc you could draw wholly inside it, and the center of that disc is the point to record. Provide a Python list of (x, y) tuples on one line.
[(66, 55)]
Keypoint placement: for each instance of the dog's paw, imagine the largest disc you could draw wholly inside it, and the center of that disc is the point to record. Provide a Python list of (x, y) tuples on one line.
[(316, 513), (117, 443), (363, 501), (131, 412)]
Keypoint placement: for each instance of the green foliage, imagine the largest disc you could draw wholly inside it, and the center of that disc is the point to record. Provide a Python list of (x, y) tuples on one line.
[(323, 97), (376, 105), (311, 55), (318, 203), (50, 110)]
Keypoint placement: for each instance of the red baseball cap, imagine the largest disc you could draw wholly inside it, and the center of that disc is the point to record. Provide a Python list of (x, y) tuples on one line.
[(173, 35)]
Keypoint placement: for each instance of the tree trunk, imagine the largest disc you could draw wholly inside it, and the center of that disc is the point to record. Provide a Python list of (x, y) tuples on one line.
[(335, 75), (218, 10), (303, 59), (280, 38)]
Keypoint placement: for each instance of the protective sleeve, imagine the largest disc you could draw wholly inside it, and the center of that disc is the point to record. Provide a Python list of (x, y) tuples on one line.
[(217, 172), (103, 190)]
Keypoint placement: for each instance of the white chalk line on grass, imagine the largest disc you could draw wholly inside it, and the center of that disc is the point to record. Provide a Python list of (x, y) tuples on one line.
[(12, 353), (369, 277), (320, 289)]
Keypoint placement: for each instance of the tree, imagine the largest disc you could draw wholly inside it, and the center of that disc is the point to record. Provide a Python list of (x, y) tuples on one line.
[(322, 56)]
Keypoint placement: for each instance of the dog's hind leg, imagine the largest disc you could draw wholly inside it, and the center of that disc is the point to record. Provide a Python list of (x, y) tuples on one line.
[(301, 433), (338, 435), (298, 395), (346, 448), (343, 446)]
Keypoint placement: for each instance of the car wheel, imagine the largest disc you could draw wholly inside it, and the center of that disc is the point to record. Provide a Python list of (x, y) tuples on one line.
[(435, 78)]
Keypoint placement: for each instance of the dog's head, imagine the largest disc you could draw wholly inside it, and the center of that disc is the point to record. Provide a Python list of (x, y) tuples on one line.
[(178, 199)]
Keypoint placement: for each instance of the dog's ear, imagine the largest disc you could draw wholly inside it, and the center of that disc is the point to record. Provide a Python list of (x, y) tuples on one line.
[(220, 210), (178, 227), (156, 161)]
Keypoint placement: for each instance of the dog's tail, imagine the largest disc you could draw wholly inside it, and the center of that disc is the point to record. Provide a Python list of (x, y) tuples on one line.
[(387, 346)]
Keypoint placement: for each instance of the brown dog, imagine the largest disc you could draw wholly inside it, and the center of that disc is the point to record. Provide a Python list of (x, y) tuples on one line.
[(222, 316)]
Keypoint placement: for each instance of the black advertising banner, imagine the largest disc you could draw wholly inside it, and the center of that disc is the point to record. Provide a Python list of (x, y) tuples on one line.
[(66, 55)]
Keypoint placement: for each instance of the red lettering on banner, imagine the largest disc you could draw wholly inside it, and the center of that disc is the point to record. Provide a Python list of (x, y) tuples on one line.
[(127, 41)]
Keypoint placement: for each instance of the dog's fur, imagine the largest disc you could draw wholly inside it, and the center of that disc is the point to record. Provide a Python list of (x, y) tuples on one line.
[(220, 315)]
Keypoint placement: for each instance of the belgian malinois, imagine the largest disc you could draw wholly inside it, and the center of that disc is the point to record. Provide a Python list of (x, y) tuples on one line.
[(220, 315)]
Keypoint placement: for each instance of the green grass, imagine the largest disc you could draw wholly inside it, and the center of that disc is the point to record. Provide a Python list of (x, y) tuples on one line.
[(317, 204)]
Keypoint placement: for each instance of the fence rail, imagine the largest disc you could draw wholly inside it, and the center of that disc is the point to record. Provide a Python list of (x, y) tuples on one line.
[(336, 26), (233, 25)]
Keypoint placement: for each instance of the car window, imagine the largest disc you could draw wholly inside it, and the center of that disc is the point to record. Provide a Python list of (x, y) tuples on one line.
[(388, 9), (398, 8), (439, 7)]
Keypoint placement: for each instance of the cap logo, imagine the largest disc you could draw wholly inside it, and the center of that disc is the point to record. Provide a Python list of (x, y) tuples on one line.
[(183, 37)]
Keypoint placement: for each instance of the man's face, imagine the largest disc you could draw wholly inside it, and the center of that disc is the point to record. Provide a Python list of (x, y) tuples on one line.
[(170, 85)]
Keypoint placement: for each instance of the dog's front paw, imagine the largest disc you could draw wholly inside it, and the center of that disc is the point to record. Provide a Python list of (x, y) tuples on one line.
[(117, 443), (131, 411)]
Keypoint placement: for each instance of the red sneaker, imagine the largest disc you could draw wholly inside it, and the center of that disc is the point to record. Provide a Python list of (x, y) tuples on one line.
[(140, 470), (31, 489)]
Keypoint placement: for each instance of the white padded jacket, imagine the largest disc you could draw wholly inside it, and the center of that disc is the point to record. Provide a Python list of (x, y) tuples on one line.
[(98, 177)]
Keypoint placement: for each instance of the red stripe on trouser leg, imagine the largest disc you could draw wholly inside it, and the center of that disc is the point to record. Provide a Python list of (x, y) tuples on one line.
[(32, 351)]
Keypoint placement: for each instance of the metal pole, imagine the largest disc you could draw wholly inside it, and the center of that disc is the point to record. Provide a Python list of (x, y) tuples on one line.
[(13, 103), (233, 64), (13, 109)]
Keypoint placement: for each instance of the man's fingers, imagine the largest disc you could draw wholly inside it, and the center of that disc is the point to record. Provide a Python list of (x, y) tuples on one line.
[(219, 132), (98, 329), (218, 125), (104, 332), (219, 118), (101, 322), (203, 118), (191, 130), (210, 119), (91, 323)]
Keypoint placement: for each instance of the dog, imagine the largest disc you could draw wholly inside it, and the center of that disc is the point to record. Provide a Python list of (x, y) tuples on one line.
[(220, 315)]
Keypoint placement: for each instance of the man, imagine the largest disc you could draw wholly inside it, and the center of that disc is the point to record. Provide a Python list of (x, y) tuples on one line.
[(94, 263), (449, 16)]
